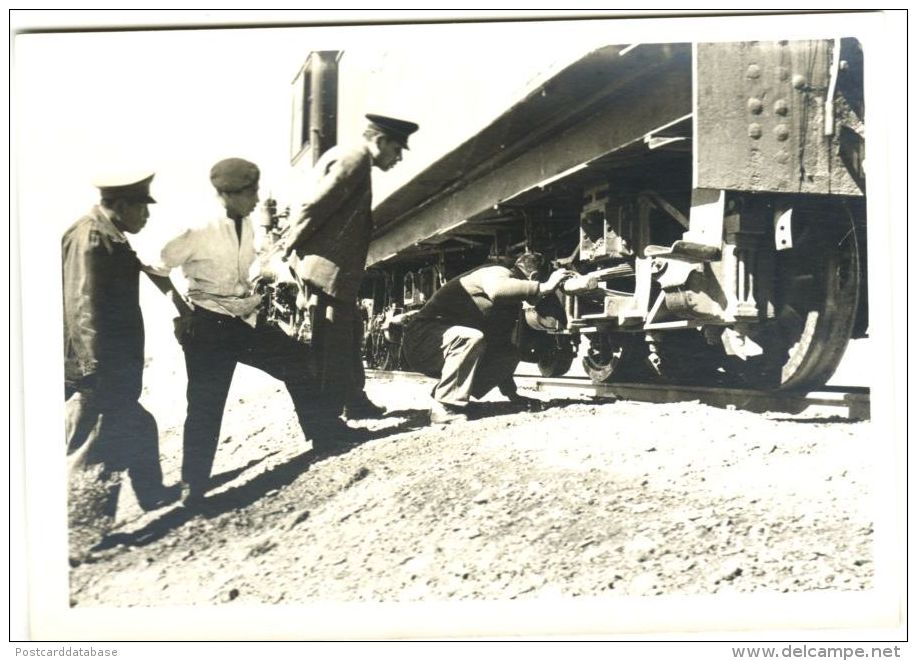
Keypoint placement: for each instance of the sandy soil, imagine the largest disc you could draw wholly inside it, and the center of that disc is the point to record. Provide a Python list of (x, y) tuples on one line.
[(584, 498)]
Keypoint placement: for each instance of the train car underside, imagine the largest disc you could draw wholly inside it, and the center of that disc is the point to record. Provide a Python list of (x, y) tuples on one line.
[(714, 246)]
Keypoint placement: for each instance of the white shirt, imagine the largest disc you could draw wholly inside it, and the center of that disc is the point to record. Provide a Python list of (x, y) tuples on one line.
[(216, 263)]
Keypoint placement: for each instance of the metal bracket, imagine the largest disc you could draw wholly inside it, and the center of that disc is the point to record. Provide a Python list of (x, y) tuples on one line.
[(708, 208), (651, 317), (783, 228), (740, 345)]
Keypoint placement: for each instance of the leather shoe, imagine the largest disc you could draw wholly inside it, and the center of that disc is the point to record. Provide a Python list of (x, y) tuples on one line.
[(330, 436), (163, 496), (444, 414), (192, 496), (363, 408)]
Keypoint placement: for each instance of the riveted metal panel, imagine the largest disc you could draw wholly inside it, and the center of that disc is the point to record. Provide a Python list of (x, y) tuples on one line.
[(760, 118)]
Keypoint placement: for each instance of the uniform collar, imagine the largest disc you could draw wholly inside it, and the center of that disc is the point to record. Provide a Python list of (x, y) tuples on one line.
[(102, 215)]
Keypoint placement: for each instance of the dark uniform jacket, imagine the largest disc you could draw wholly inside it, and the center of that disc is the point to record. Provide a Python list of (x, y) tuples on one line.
[(334, 227), (103, 326)]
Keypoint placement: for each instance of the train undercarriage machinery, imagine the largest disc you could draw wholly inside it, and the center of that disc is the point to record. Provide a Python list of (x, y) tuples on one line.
[(746, 311), (710, 198), (760, 284)]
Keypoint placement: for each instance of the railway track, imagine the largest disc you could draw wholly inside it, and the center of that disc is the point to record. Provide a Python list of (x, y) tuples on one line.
[(850, 403)]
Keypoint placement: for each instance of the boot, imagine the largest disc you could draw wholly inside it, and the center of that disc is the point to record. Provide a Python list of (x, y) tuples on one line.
[(331, 435), (160, 497), (363, 408), (192, 496)]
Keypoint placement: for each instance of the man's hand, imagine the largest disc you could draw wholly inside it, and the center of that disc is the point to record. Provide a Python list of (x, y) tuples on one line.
[(184, 327), (88, 390), (271, 266), (180, 304), (287, 247), (508, 390), (297, 232), (554, 280)]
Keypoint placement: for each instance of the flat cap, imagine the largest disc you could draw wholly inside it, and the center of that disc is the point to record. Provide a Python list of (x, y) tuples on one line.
[(529, 263), (134, 187), (234, 174), (397, 129)]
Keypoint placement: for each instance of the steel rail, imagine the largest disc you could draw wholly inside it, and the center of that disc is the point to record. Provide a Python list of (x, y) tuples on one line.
[(849, 403)]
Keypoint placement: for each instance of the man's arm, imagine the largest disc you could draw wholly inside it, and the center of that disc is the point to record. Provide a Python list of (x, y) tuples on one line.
[(175, 253), (87, 278), (500, 285), (341, 182), (167, 287)]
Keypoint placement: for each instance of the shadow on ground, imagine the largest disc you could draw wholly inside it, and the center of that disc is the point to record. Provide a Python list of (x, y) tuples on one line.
[(252, 490), (248, 492), (481, 410), (827, 420)]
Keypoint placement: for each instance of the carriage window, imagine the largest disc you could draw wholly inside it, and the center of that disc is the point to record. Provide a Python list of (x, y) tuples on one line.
[(408, 288), (314, 114), (302, 99)]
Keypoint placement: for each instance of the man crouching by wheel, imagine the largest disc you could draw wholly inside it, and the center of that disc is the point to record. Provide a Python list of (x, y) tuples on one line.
[(463, 334)]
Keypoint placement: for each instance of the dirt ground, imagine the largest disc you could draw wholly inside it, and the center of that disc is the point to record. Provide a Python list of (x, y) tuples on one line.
[(584, 498)]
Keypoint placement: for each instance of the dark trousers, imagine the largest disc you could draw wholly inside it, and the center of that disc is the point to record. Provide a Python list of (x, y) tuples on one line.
[(213, 345), (334, 352), (463, 360), (107, 433), (358, 376)]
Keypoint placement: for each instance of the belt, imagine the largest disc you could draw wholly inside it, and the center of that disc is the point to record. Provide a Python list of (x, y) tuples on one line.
[(210, 315)]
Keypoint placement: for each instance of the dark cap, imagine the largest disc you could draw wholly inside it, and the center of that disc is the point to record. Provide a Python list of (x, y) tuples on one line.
[(397, 129), (234, 174), (530, 263), (132, 187)]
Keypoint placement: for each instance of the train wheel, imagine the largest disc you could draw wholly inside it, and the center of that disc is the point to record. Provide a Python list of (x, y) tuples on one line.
[(380, 354), (614, 357), (556, 363), (387, 358), (816, 291)]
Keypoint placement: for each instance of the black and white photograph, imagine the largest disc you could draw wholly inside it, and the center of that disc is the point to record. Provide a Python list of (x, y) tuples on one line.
[(458, 327)]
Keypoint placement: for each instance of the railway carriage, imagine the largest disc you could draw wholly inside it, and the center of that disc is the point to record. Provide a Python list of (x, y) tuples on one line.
[(711, 197)]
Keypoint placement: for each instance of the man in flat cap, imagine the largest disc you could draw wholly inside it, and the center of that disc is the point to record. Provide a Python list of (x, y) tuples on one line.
[(330, 240), (219, 329), (107, 429)]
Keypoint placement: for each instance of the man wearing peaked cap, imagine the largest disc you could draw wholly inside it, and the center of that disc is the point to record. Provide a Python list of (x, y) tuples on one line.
[(328, 242), (107, 429), (397, 129), (134, 187), (218, 327)]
